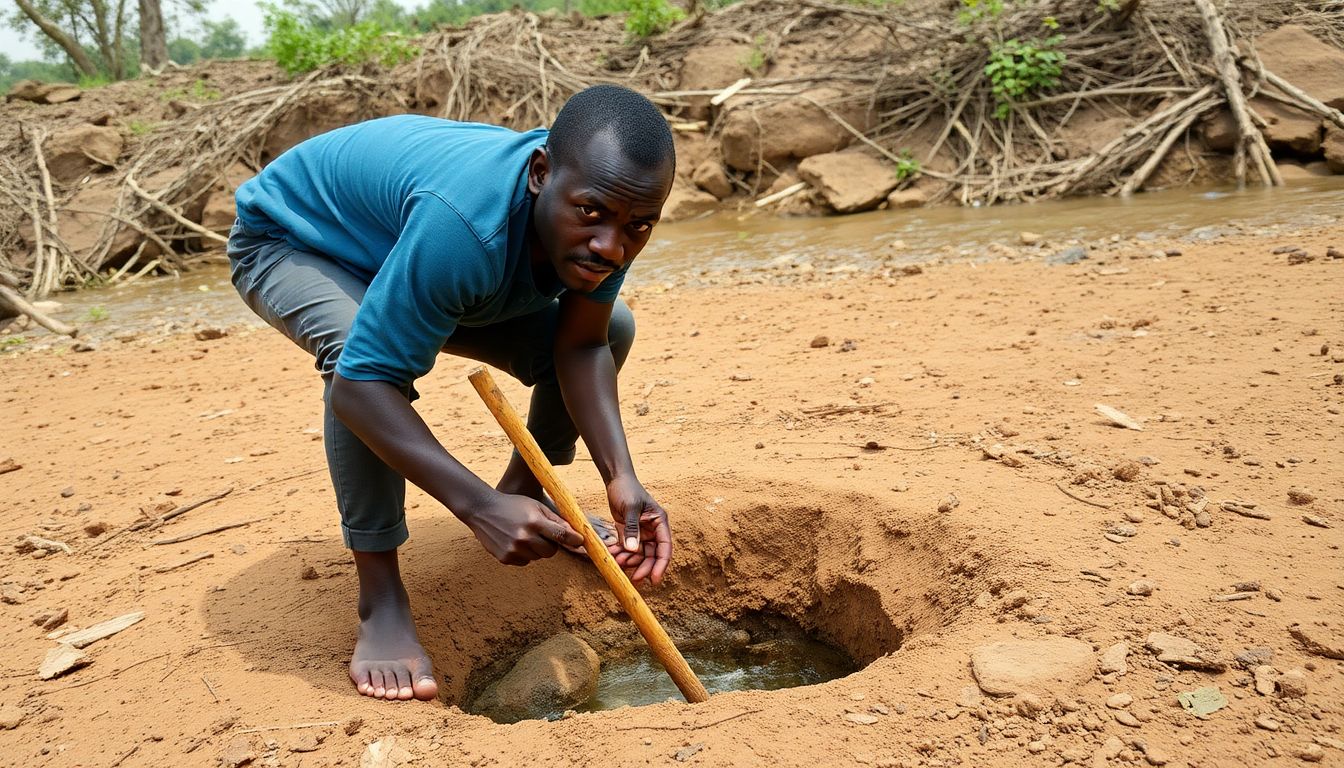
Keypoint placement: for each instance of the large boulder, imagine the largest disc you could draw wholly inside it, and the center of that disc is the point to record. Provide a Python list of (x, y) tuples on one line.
[(1288, 129), (1048, 666), (559, 674), (43, 93), (848, 181), (1294, 54), (792, 128), (76, 152), (687, 202), (1220, 131), (715, 66), (710, 177)]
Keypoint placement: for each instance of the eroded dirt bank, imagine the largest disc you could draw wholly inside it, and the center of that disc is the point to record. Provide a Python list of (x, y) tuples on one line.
[(746, 426)]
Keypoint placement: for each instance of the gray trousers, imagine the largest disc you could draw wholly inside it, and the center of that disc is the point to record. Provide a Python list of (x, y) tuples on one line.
[(313, 300)]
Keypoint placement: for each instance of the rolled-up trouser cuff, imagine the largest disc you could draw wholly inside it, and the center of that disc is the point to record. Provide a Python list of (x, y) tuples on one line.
[(376, 541)]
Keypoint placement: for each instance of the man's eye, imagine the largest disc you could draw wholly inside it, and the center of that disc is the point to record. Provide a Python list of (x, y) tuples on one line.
[(641, 227), (587, 211)]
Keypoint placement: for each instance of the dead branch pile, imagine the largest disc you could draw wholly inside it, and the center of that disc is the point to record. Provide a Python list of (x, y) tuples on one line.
[(1163, 63)]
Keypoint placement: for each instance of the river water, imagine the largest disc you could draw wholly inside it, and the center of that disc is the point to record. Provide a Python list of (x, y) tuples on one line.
[(728, 242)]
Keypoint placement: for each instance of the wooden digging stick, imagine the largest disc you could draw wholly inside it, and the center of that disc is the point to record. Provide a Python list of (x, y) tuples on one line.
[(630, 599)]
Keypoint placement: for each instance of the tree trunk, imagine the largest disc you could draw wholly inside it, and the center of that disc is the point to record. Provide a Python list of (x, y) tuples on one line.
[(72, 48)]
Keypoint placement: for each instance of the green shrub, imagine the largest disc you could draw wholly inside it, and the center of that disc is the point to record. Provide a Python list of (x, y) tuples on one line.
[(649, 17), (1016, 69), (299, 47), (907, 166)]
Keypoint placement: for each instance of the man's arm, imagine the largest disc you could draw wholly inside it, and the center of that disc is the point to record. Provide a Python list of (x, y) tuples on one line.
[(514, 529), (587, 376)]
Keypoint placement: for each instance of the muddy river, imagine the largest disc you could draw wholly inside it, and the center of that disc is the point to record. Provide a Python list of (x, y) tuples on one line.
[(692, 251)]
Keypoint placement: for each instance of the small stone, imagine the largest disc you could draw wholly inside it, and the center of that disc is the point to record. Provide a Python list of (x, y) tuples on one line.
[(67, 492), (687, 752), (60, 660), (308, 573), (1319, 639), (55, 619), (969, 697), (1301, 496), (1035, 747), (1127, 471), (1267, 723), (210, 334), (10, 717), (1171, 649), (95, 528), (1274, 594), (1133, 515), (306, 741), (949, 503), (238, 751), (1113, 659), (352, 726), (1030, 238), (1293, 684), (1042, 666), (759, 446), (1028, 705), (1311, 753), (819, 341), (1155, 756), (1141, 588), (1120, 701), (858, 718), (1125, 718)]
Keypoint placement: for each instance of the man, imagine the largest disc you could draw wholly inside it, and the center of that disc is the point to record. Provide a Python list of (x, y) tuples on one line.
[(376, 246)]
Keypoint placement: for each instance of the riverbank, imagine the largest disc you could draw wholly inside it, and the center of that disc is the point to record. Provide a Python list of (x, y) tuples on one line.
[(907, 462)]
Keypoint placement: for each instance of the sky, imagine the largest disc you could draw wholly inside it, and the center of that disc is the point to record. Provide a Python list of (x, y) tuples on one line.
[(19, 45)]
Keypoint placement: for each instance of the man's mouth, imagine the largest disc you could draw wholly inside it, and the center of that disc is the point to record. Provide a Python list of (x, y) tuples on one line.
[(594, 270)]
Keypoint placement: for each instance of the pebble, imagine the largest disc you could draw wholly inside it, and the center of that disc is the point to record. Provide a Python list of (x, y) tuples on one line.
[(1155, 756), (1142, 588), (95, 528), (1133, 515), (10, 717), (1120, 701), (1113, 660), (1267, 723), (1127, 471), (819, 341), (1293, 684), (858, 718), (1036, 747), (1310, 753), (1124, 718), (1300, 496)]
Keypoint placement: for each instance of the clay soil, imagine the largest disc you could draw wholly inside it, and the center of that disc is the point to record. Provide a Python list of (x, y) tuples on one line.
[(1228, 355)]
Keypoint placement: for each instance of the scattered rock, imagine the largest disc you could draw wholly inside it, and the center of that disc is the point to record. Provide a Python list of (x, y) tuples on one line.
[(1155, 756), (1294, 54), (556, 675), (790, 128), (1042, 666), (101, 630), (95, 528), (1319, 639), (1267, 723), (949, 503), (10, 717), (1118, 418), (1171, 649), (385, 753), (352, 726), (1127, 471), (687, 752), (1292, 684), (1071, 255), (907, 198), (710, 177), (239, 751), (1030, 238), (687, 202), (210, 333), (1028, 705), (1316, 521), (1120, 701), (848, 181), (858, 718), (43, 93), (1141, 588), (1310, 753), (1202, 702), (307, 741), (1300, 496), (1125, 718), (819, 341), (1114, 659), (308, 573), (9, 465), (76, 152), (61, 659), (1251, 658), (54, 619)]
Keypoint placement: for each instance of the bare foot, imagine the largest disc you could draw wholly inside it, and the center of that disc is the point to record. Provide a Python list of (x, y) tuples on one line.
[(389, 662)]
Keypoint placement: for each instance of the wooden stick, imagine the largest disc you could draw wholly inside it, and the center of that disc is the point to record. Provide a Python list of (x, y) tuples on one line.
[(11, 297), (1249, 136), (206, 532), (1306, 99), (1080, 498), (788, 191), (179, 218), (186, 562), (727, 93), (1136, 181), (185, 508), (661, 645)]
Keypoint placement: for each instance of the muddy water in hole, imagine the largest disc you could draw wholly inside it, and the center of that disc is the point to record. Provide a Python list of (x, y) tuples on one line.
[(726, 241)]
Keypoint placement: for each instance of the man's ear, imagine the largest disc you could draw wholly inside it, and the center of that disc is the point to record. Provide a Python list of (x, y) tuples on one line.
[(538, 170)]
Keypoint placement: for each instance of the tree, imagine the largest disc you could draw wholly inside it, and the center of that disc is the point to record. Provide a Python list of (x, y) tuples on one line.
[(68, 43), (153, 38)]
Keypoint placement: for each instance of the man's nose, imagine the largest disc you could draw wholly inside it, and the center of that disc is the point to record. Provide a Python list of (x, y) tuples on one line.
[(606, 244)]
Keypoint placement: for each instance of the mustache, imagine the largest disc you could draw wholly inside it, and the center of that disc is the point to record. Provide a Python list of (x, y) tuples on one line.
[(598, 262)]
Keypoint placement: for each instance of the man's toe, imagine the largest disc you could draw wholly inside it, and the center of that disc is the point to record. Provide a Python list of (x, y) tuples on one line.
[(425, 688)]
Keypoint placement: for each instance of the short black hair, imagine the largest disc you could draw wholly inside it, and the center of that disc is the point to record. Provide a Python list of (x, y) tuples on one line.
[(639, 127)]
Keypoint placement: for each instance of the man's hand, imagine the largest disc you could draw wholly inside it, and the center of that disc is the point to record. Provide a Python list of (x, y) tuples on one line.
[(646, 537), (518, 530)]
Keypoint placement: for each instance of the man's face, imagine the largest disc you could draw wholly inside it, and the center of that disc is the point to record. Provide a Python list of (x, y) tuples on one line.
[(594, 215)]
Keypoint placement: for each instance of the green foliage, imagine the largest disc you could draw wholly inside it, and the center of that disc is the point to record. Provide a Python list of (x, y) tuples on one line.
[(48, 72), (907, 166), (198, 92), (98, 81), (97, 314), (976, 10), (755, 60), (1017, 68), (217, 40), (1108, 6), (645, 18), (300, 47), (139, 127), (12, 341)]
